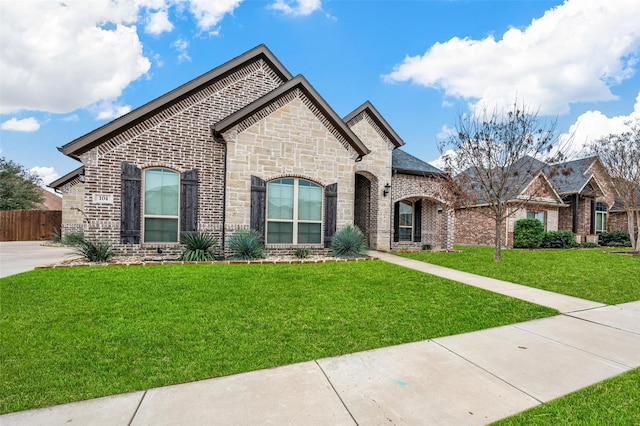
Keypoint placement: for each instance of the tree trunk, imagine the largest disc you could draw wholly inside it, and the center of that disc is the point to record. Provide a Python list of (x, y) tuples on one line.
[(636, 248), (632, 218), (497, 256)]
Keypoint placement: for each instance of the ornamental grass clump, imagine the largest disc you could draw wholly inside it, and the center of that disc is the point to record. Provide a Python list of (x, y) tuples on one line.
[(198, 247), (245, 245), (94, 250), (349, 243)]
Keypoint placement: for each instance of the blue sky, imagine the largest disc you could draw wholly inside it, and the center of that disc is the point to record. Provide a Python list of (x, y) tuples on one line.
[(69, 67)]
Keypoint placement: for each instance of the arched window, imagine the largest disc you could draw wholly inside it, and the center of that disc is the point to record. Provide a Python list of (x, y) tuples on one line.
[(161, 205), (294, 212)]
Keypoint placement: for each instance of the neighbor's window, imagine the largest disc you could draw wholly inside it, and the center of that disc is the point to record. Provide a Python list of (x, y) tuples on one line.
[(161, 205), (405, 216), (531, 214), (601, 217), (294, 212)]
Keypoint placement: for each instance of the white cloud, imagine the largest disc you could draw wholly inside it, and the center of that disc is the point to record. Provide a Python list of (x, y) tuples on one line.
[(72, 117), (158, 22), (446, 132), (60, 56), (573, 53), (108, 110), (48, 174), (297, 7), (181, 46), (593, 125), (29, 124), (209, 13)]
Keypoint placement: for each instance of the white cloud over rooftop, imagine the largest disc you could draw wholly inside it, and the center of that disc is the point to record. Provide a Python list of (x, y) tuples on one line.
[(573, 53)]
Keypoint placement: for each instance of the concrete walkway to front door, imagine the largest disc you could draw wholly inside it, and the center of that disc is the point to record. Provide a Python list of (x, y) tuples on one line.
[(467, 379)]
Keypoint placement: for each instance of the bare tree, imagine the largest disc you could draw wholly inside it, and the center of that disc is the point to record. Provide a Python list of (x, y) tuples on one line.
[(620, 153), (495, 156)]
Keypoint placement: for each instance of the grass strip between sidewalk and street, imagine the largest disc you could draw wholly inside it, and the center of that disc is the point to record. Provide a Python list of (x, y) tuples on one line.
[(76, 333), (592, 274)]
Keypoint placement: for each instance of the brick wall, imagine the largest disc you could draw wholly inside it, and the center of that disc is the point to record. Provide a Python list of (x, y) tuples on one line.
[(178, 138), (429, 190)]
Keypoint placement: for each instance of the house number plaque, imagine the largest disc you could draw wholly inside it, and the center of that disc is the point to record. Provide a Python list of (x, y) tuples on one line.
[(103, 198)]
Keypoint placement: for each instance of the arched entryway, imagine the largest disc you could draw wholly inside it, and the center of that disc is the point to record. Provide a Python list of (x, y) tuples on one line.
[(365, 206)]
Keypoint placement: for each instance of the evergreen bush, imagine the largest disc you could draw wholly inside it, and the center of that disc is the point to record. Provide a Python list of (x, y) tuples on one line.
[(614, 239), (559, 239), (528, 233)]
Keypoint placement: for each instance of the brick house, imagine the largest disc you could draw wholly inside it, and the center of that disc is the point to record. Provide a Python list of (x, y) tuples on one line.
[(577, 196), (247, 145)]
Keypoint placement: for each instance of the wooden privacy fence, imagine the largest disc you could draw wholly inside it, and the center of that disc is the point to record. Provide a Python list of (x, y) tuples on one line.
[(29, 225)]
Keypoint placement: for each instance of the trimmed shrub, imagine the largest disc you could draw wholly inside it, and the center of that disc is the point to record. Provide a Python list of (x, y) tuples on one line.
[(559, 239), (349, 243), (95, 251), (198, 247), (589, 245), (426, 247), (528, 233), (245, 245), (614, 239)]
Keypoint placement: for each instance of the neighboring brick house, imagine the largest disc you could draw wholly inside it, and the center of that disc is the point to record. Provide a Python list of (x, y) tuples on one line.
[(575, 196), (588, 190), (537, 198), (246, 145)]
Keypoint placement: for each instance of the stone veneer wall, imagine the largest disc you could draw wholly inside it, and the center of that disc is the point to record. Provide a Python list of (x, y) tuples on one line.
[(291, 141), (429, 190), (73, 219), (376, 167), (179, 138)]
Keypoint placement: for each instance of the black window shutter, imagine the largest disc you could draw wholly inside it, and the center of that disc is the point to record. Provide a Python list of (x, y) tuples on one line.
[(188, 201), (396, 222), (258, 205), (417, 221), (131, 181), (330, 213)]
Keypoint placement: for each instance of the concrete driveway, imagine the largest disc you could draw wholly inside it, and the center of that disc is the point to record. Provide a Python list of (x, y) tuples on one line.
[(22, 256)]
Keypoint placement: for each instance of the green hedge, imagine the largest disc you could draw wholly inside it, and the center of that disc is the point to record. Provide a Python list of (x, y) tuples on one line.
[(528, 233), (614, 239), (559, 239)]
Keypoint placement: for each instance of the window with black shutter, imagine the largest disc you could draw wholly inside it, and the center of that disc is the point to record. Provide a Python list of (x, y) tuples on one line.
[(131, 179)]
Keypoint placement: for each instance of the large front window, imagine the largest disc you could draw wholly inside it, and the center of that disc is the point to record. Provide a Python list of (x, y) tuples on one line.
[(294, 212), (161, 205), (601, 217), (405, 216)]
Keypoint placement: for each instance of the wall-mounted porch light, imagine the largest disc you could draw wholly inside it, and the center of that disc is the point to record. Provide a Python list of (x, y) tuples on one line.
[(386, 189)]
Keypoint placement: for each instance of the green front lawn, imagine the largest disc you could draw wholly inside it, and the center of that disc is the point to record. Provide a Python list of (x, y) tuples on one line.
[(593, 274), (613, 402), (77, 333)]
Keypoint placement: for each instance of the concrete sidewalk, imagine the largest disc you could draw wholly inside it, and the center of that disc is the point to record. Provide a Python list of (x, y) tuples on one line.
[(467, 379)]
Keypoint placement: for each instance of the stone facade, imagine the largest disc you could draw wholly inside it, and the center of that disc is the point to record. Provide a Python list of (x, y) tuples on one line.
[(73, 196), (375, 212), (290, 142)]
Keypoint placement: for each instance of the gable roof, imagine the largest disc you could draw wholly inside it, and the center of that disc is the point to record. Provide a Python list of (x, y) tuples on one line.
[(301, 83), (403, 162), (76, 147), (571, 177), (67, 178), (377, 118)]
